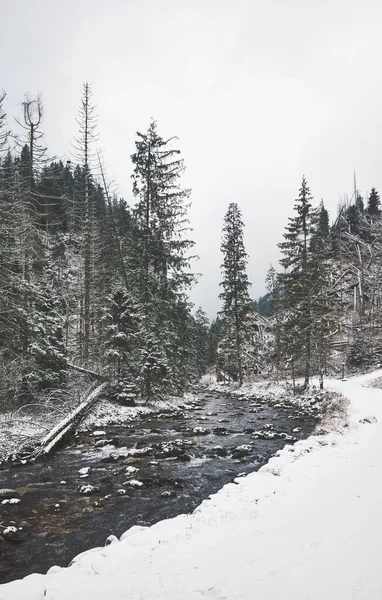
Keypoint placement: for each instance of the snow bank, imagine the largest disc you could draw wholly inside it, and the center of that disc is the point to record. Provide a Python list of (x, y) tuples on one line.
[(306, 526)]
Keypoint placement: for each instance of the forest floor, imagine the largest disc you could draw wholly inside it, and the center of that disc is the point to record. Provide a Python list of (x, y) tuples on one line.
[(307, 525)]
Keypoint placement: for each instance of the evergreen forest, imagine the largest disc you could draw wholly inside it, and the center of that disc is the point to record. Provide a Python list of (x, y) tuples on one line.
[(92, 284)]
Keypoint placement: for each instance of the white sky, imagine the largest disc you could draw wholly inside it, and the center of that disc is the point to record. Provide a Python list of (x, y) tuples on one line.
[(258, 92)]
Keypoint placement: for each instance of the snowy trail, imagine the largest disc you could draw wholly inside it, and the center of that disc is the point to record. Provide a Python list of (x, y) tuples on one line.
[(307, 526)]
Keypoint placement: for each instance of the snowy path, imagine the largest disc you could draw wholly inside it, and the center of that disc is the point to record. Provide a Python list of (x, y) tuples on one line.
[(307, 526)]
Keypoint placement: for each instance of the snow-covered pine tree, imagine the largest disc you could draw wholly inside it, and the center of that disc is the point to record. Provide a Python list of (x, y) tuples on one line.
[(162, 262), (325, 303), (83, 151), (273, 287), (201, 328), (121, 344), (235, 295), (374, 203), (296, 285)]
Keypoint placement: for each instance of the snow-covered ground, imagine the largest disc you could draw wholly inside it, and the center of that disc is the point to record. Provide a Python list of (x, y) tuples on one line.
[(307, 526)]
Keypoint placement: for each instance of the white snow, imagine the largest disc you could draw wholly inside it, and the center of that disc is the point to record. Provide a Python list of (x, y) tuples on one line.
[(306, 526), (134, 483), (84, 471)]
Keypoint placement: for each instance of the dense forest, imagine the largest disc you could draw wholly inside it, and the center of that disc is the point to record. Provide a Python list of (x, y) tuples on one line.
[(85, 278), (89, 281)]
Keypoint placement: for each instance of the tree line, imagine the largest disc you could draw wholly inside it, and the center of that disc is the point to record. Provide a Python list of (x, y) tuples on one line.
[(87, 279), (324, 303), (84, 277)]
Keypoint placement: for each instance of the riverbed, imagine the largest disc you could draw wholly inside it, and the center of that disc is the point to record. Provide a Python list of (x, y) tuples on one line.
[(104, 481)]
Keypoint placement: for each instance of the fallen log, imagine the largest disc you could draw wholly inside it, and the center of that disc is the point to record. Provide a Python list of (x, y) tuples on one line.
[(86, 371), (45, 445)]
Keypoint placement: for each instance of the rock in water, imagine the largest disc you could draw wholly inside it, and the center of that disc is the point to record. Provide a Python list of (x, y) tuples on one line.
[(8, 493), (241, 451)]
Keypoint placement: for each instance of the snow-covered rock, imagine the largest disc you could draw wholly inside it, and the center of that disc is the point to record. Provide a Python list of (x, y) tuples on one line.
[(134, 483), (87, 489), (130, 470), (7, 493), (241, 451), (200, 431), (84, 471)]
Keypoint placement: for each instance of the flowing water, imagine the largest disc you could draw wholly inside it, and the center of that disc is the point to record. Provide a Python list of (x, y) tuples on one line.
[(183, 458)]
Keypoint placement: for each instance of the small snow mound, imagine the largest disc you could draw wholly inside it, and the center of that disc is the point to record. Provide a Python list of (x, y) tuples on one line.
[(369, 419), (111, 539), (53, 570), (132, 531)]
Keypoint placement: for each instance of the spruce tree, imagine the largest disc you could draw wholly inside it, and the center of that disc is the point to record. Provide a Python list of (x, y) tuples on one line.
[(161, 260), (83, 151), (296, 282), (235, 295), (201, 328), (374, 203)]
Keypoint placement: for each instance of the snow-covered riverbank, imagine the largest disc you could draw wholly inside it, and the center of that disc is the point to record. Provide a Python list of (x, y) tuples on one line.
[(305, 526)]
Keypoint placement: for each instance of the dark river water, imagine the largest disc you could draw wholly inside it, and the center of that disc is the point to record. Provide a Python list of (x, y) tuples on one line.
[(178, 468)]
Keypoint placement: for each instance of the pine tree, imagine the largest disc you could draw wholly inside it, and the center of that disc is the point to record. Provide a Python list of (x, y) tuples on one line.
[(374, 203), (122, 343), (274, 289), (161, 261), (296, 282), (83, 151), (235, 295), (201, 327)]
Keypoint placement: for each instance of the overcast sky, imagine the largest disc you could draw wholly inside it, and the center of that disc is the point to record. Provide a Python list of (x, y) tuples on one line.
[(259, 93)]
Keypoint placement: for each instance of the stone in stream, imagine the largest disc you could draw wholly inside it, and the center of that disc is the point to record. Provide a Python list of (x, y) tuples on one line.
[(200, 431), (241, 451), (140, 452), (101, 443), (84, 471), (130, 470), (168, 494), (220, 431), (217, 451), (183, 458), (268, 434), (11, 532), (111, 458), (87, 489), (6, 493), (172, 449), (135, 483)]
